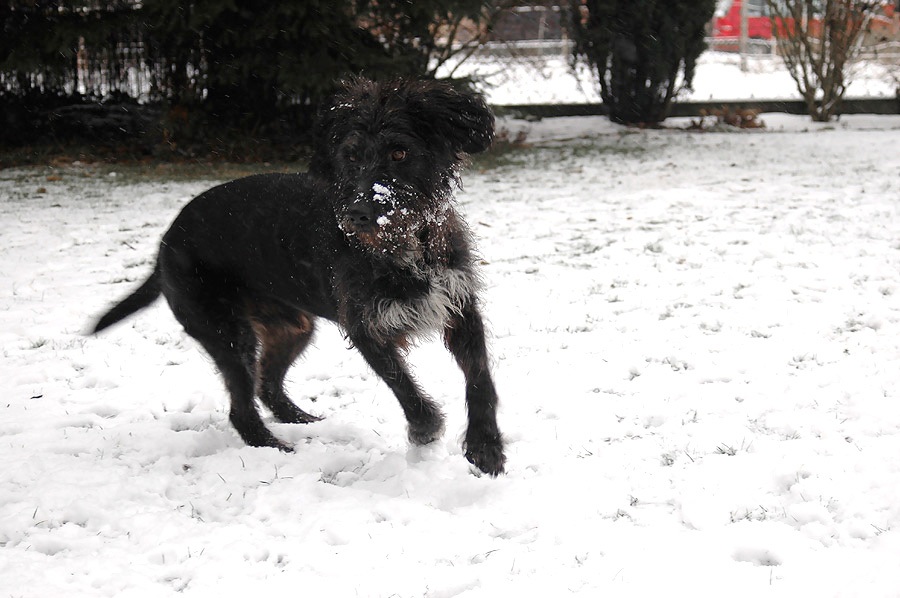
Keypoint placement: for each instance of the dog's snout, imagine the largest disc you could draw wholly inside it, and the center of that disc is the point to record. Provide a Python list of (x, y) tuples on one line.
[(360, 215)]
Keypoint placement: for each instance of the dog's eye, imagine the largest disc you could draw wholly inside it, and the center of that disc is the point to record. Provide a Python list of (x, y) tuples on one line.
[(353, 157), (398, 155)]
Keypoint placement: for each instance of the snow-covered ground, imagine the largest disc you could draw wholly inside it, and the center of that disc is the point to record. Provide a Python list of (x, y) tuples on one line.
[(549, 79), (696, 338)]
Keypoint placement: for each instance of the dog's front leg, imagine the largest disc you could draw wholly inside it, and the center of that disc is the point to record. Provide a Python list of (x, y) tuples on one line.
[(426, 422), (465, 338)]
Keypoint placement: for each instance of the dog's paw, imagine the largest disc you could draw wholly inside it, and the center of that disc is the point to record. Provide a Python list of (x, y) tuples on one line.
[(262, 438), (426, 432), (284, 409), (284, 447), (297, 416), (275, 443), (486, 453)]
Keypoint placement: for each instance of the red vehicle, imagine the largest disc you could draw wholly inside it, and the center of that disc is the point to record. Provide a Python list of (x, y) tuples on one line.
[(727, 20)]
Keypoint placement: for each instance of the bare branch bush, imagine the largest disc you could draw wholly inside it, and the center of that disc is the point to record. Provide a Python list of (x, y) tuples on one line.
[(818, 40)]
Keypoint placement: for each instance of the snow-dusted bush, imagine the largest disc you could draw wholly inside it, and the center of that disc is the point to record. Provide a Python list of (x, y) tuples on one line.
[(643, 51)]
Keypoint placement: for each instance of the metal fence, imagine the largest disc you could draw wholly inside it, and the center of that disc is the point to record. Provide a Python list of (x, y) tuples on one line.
[(126, 70)]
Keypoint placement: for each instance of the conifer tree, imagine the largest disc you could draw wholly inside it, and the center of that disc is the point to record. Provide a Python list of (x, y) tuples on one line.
[(643, 51)]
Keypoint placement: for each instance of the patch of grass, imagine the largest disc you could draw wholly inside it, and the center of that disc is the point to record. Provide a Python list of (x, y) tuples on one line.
[(724, 449), (55, 165), (759, 513), (731, 451), (125, 174), (35, 181), (605, 147), (38, 343), (506, 155)]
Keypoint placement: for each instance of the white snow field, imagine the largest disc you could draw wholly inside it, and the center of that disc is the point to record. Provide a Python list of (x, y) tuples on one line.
[(695, 336), (549, 79)]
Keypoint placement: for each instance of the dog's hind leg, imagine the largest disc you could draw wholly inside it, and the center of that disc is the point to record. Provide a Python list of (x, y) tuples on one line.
[(232, 346), (426, 422), (208, 315), (235, 360), (465, 338), (282, 340)]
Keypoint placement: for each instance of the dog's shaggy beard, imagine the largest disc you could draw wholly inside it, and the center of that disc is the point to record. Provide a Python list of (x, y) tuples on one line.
[(404, 222), (413, 233)]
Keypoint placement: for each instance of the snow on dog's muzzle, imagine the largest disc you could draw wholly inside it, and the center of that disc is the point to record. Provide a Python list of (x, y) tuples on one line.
[(369, 210), (377, 218)]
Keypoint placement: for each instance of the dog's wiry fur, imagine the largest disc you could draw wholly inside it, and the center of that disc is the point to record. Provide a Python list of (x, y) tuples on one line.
[(368, 238)]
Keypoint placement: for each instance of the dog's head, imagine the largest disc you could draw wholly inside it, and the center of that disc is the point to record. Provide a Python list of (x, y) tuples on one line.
[(391, 151)]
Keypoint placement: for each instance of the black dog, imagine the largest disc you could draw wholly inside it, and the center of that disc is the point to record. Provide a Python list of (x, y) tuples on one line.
[(367, 238)]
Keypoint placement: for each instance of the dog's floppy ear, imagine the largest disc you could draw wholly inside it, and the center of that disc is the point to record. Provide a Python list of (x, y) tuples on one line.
[(448, 115)]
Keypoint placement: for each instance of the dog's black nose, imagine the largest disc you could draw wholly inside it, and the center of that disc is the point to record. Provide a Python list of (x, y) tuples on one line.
[(360, 215)]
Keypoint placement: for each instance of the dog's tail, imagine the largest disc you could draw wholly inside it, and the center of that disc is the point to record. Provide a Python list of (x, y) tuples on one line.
[(138, 300)]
